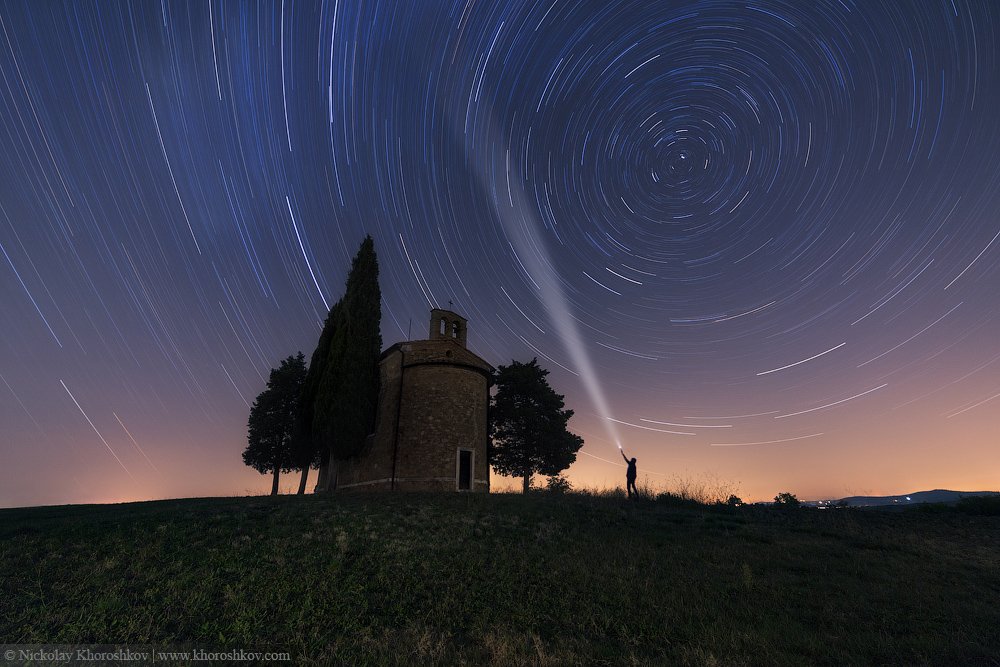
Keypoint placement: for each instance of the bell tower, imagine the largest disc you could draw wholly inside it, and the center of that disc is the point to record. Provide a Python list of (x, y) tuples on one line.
[(448, 325)]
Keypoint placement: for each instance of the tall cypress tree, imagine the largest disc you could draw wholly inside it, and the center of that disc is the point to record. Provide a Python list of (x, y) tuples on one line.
[(348, 395), (341, 393)]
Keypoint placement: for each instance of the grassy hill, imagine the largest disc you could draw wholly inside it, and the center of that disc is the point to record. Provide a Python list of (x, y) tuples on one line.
[(505, 579)]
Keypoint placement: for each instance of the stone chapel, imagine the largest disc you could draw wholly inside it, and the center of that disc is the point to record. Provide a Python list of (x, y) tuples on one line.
[(430, 425)]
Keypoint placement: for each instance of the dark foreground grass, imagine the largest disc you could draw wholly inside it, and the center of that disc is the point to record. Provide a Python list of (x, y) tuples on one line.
[(502, 579)]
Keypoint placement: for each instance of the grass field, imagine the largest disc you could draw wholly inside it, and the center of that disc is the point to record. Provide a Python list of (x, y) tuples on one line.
[(506, 579)]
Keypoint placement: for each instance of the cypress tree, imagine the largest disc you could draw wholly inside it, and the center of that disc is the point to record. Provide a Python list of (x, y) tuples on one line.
[(341, 393), (308, 446), (348, 394)]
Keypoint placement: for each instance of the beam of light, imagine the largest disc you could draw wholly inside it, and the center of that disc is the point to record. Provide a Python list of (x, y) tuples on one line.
[(830, 405), (763, 442), (134, 442), (815, 356), (521, 224), (95, 429)]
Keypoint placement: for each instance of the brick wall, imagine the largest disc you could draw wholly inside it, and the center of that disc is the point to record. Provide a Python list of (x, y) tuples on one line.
[(444, 394)]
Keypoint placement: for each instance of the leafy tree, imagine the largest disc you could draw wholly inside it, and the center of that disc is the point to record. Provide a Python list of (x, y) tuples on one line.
[(785, 499), (528, 424), (734, 501), (341, 394), (269, 427)]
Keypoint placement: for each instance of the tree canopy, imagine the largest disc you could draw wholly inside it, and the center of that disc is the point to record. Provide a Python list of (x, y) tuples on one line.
[(786, 499), (528, 424), (269, 428)]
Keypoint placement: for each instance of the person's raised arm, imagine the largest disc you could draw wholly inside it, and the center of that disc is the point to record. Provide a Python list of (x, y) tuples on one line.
[(623, 455)]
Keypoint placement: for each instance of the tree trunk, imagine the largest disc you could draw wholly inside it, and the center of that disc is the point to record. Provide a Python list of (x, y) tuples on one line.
[(302, 481), (328, 481), (274, 484), (331, 476), (324, 470), (527, 481)]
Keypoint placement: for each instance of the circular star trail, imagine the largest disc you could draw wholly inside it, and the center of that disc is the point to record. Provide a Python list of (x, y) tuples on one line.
[(752, 239)]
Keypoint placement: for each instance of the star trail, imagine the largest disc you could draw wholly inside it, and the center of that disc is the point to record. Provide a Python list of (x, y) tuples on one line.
[(755, 238)]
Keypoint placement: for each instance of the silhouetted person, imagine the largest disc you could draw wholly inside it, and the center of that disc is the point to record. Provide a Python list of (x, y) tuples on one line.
[(630, 475)]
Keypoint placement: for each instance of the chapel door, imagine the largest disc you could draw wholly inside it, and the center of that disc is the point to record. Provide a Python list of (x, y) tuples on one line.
[(464, 470)]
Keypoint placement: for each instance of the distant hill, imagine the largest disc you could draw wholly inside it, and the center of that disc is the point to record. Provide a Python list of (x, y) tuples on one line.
[(935, 496)]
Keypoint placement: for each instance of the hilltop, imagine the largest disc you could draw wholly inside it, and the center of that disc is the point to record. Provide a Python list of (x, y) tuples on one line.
[(506, 579), (915, 498)]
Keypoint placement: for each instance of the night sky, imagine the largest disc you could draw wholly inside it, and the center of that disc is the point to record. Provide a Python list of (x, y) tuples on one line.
[(754, 241)]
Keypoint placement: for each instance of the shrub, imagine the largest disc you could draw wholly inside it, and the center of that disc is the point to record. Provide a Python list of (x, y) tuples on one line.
[(981, 505), (644, 491), (734, 501), (558, 484), (675, 500), (931, 508), (705, 489), (786, 499)]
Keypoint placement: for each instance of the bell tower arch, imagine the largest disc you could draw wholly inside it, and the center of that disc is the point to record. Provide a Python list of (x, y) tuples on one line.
[(448, 325)]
